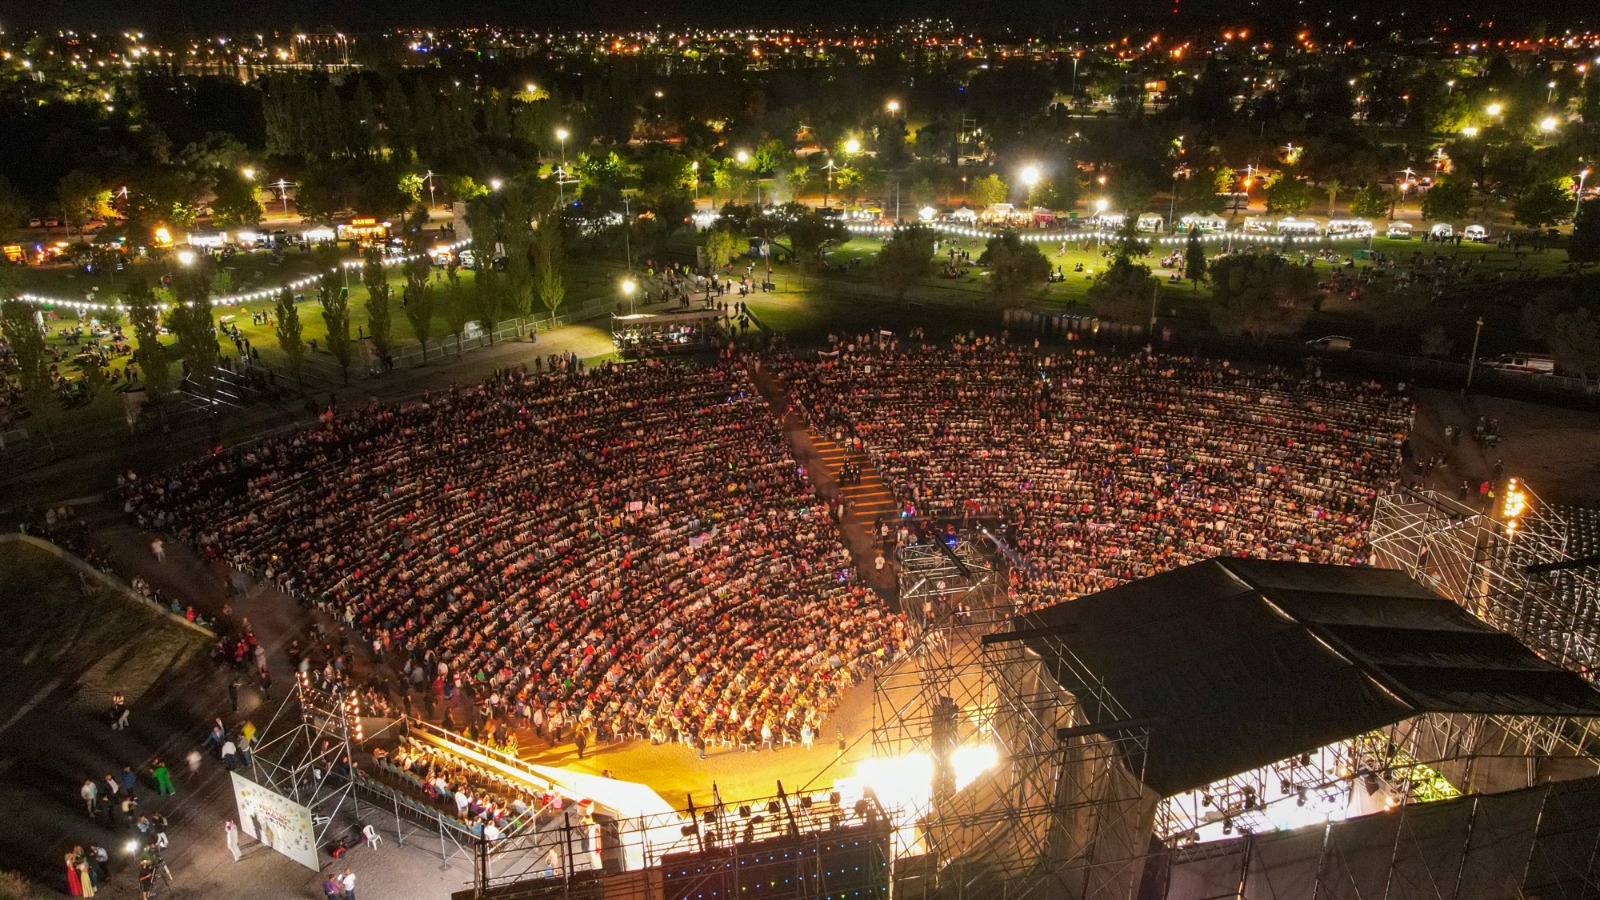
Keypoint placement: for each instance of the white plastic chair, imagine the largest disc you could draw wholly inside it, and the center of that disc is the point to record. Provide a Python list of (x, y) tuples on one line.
[(371, 836)]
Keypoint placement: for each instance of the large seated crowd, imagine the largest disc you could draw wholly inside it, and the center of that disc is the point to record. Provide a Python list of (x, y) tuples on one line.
[(632, 550), (1111, 467)]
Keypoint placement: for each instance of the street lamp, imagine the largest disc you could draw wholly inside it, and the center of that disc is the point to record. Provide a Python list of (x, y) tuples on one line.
[(852, 146), (1577, 199), (742, 157), (1470, 131), (186, 258), (248, 173), (429, 177), (1551, 96), (1495, 109), (1549, 124), (494, 184), (1472, 362), (1030, 175), (894, 107), (561, 135), (628, 287), (283, 185), (694, 178)]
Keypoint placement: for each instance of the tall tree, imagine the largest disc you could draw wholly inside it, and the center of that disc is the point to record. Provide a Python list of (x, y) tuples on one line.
[(192, 321), (1541, 204), (1371, 202), (988, 190), (516, 232), (1575, 342), (810, 236), (417, 297), (1584, 247), (235, 204), (82, 198), (1194, 258), (720, 249), (549, 262), (379, 319), (487, 288), (1125, 292), (904, 260), (336, 315), (1015, 267), (13, 211), (154, 359), (290, 339), (1261, 294), (1448, 199), (457, 308), (19, 324)]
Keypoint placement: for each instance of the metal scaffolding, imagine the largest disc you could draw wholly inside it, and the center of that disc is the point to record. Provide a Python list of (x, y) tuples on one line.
[(305, 752), (1511, 566), (1047, 806)]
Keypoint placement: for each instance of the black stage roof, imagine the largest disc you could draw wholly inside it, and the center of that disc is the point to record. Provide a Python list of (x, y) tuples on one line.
[(1242, 663)]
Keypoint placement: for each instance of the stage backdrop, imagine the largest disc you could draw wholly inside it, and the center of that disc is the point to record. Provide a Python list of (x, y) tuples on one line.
[(276, 821)]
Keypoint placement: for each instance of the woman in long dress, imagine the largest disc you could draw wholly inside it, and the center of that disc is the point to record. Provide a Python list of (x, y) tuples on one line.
[(74, 882), (85, 881)]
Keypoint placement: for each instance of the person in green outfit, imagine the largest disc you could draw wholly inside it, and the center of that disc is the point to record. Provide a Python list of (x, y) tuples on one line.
[(163, 777)]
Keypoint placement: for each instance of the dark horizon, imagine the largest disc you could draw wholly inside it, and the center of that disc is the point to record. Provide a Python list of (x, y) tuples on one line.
[(168, 16)]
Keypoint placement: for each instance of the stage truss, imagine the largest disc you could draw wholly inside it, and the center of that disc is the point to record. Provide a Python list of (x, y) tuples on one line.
[(1025, 800), (1481, 560), (305, 752)]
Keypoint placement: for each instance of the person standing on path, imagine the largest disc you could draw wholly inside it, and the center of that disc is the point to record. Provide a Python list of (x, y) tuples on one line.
[(348, 882), (89, 792), (233, 838), (233, 694), (331, 887), (162, 776)]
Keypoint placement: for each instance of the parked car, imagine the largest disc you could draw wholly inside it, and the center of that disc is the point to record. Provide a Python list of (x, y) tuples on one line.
[(1333, 343), (1534, 363)]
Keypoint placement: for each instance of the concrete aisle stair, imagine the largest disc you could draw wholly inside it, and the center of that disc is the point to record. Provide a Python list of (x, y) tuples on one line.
[(869, 499)]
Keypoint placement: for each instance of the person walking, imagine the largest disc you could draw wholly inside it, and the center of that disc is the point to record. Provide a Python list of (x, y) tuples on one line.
[(193, 759), (158, 549), (119, 712), (233, 838)]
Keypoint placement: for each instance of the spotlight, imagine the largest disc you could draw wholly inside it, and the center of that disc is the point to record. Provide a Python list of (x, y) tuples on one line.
[(709, 817), (805, 802), (861, 808), (744, 812), (1301, 799), (689, 829), (772, 806), (132, 847), (833, 797), (1205, 799), (1227, 826)]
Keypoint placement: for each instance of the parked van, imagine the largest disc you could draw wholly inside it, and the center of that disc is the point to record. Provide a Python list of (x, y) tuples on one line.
[(1476, 234), (1535, 363), (1336, 343)]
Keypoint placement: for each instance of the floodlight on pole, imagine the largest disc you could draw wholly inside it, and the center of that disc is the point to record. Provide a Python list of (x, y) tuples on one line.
[(248, 173), (494, 184), (1030, 175), (1549, 124), (561, 135), (742, 157), (1495, 109), (1577, 195), (852, 146), (894, 107), (186, 258)]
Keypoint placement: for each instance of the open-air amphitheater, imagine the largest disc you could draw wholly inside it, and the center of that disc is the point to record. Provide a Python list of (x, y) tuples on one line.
[(1219, 707)]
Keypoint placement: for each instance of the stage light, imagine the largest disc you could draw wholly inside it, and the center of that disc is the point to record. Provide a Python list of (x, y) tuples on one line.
[(772, 806), (689, 829), (744, 812), (709, 817)]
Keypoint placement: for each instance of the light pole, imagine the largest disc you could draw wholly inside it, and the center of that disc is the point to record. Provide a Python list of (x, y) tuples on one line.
[(627, 232), (628, 287), (829, 188), (1577, 196), (1472, 362), (429, 177), (283, 185), (561, 135)]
